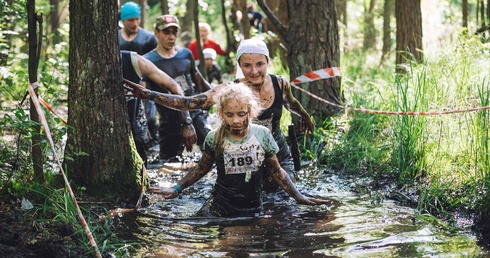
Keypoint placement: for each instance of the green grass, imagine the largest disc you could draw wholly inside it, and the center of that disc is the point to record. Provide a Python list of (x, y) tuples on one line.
[(445, 156)]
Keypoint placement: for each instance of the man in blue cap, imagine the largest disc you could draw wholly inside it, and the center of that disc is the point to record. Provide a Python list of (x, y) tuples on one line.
[(132, 37)]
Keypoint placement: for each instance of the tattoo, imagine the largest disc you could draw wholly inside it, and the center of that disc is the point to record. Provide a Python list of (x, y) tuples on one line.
[(198, 101)]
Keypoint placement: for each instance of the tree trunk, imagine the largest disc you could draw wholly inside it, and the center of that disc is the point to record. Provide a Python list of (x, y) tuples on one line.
[(369, 28), (195, 14), (341, 6), (241, 6), (277, 45), (488, 11), (142, 13), (482, 13), (465, 14), (34, 47), (408, 32), (314, 44), (478, 4), (186, 23), (100, 152), (230, 46), (164, 6), (387, 12), (54, 15)]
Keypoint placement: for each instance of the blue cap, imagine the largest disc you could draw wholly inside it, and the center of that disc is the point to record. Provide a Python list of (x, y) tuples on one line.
[(130, 10)]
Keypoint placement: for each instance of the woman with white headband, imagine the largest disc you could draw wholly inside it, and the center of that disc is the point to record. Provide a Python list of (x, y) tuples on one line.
[(274, 93)]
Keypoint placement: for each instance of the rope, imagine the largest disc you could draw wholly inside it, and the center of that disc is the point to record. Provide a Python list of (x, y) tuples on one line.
[(327, 73), (39, 110)]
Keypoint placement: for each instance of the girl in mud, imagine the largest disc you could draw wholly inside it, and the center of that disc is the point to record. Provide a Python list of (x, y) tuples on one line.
[(240, 150), (274, 93)]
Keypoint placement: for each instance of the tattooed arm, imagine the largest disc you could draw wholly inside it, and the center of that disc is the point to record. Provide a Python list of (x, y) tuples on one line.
[(283, 179), (177, 102), (196, 173), (294, 106)]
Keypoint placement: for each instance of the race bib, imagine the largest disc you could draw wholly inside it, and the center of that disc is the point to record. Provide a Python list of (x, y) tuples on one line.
[(241, 162)]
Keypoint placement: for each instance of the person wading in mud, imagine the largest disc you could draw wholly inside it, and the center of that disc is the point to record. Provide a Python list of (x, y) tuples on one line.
[(134, 38), (240, 151), (134, 67), (274, 93), (179, 64)]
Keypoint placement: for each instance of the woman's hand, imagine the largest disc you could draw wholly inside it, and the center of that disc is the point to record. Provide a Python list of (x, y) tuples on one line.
[(306, 125)]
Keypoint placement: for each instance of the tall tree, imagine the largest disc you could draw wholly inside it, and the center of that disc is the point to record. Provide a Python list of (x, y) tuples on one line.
[(408, 32), (142, 13), (465, 14), (34, 54), (369, 28), (241, 6), (164, 6), (186, 23), (276, 44), (388, 10), (313, 43), (342, 15), (100, 153), (54, 17)]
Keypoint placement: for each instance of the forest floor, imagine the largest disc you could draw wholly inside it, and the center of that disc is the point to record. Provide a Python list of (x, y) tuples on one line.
[(25, 234)]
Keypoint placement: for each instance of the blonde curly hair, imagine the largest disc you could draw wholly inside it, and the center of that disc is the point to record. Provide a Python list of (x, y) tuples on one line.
[(243, 94)]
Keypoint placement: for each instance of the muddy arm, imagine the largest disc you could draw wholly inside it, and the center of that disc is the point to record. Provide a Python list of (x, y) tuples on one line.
[(283, 179)]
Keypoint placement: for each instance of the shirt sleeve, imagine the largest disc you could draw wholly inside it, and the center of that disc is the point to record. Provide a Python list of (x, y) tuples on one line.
[(268, 142), (209, 147), (218, 49)]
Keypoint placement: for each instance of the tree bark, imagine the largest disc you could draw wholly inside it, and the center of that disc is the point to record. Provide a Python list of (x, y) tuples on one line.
[(314, 44), (387, 13), (195, 14), (465, 14), (341, 6), (408, 32), (164, 6), (186, 23), (54, 15), (230, 46), (142, 13), (369, 28), (244, 23), (34, 48), (100, 152), (277, 22)]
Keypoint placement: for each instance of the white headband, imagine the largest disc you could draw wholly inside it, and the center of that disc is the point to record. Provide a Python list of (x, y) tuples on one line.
[(250, 46)]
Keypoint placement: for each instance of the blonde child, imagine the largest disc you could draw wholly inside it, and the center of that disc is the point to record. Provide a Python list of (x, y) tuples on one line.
[(241, 151)]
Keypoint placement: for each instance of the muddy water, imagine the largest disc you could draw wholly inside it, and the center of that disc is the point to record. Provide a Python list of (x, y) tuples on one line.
[(353, 226)]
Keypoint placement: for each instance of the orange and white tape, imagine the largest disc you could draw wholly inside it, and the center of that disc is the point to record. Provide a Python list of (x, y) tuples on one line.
[(317, 75), (335, 71), (44, 123), (52, 111)]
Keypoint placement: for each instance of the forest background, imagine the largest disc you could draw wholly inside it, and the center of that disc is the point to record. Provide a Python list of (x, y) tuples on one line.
[(439, 164)]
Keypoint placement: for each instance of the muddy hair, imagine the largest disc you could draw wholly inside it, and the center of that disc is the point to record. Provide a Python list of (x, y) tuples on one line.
[(234, 91)]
